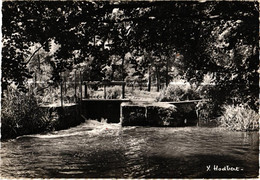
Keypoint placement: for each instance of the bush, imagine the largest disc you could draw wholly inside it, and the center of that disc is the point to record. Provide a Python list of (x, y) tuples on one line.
[(207, 113), (21, 114), (113, 92), (178, 93), (239, 118)]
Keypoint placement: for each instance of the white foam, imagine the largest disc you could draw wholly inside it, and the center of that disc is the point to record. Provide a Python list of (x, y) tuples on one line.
[(90, 127)]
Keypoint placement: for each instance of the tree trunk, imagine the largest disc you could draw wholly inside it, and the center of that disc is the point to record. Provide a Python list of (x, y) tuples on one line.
[(123, 78), (80, 78), (122, 67), (65, 87), (167, 71), (61, 94), (149, 79), (75, 87), (157, 79)]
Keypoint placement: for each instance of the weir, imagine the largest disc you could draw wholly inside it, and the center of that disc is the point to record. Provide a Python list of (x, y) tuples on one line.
[(129, 113), (102, 108), (139, 113), (159, 114)]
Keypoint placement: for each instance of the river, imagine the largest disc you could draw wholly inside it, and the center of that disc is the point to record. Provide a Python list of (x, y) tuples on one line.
[(97, 150)]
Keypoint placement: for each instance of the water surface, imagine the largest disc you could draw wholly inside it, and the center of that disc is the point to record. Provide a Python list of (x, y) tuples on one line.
[(97, 150)]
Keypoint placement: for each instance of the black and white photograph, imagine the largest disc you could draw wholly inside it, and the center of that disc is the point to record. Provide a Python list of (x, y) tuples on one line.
[(129, 89)]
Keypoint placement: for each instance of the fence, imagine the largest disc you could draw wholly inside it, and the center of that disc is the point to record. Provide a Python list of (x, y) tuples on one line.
[(67, 92)]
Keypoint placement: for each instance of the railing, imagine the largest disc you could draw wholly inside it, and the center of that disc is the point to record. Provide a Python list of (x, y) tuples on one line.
[(105, 84)]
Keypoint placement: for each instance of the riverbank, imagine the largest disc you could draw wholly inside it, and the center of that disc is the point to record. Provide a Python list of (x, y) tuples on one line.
[(21, 114), (48, 118)]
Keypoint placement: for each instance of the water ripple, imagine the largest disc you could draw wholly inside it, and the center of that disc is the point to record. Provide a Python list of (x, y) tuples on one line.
[(97, 149)]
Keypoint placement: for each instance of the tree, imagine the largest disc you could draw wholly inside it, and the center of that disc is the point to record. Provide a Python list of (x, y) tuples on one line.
[(27, 23), (217, 37)]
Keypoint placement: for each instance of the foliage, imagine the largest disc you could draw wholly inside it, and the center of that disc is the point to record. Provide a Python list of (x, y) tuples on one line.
[(176, 92), (195, 38), (234, 51), (21, 114), (167, 116), (113, 92), (207, 112), (239, 118), (207, 86), (27, 23)]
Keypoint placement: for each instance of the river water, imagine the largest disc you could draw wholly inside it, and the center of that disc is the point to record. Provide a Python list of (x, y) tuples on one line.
[(97, 150)]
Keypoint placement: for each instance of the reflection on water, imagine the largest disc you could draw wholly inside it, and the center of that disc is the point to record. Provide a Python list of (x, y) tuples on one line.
[(96, 149)]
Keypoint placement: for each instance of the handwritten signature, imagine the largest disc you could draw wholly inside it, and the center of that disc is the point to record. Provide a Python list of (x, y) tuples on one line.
[(223, 168)]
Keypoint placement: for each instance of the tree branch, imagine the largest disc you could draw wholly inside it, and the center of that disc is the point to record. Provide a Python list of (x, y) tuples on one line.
[(36, 51)]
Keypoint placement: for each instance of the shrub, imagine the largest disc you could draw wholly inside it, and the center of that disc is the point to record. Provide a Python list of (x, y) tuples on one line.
[(21, 114), (113, 92), (207, 113), (96, 94), (178, 93), (239, 118)]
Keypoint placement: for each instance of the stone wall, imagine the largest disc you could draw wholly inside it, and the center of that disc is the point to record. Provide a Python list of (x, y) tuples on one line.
[(133, 115), (158, 114), (63, 117)]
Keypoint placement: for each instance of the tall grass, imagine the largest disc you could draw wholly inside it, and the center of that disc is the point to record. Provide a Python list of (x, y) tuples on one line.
[(21, 114), (239, 118)]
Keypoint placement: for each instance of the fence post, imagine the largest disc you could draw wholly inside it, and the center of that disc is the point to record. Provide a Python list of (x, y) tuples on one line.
[(65, 88), (105, 92), (86, 90), (123, 91)]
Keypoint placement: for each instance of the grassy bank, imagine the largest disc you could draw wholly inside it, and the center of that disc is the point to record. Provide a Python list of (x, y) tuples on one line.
[(21, 114)]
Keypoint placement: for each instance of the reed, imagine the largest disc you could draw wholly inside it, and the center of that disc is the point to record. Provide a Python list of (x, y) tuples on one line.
[(21, 114), (239, 118)]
